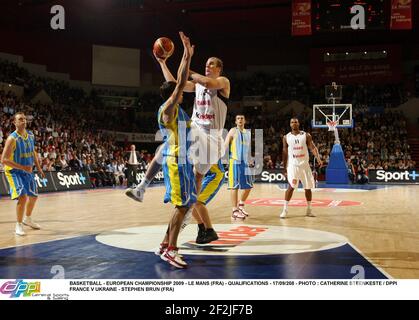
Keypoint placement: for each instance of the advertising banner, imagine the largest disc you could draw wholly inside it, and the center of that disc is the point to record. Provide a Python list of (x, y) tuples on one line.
[(399, 176), (401, 15), (54, 181), (301, 18), (70, 180)]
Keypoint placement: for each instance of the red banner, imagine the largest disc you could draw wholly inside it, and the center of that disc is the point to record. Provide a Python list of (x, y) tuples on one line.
[(401, 15), (301, 18)]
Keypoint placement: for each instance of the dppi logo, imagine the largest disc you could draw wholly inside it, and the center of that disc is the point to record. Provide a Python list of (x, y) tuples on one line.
[(42, 183), (71, 180), (20, 287)]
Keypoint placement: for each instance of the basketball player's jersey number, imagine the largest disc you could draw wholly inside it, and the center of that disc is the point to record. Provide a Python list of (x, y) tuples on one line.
[(297, 141)]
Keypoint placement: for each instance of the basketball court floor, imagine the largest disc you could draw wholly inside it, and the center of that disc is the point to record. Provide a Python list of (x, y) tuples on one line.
[(360, 231)]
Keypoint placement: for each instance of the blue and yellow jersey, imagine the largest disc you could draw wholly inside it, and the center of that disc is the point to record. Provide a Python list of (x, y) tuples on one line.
[(175, 133), (178, 172), (23, 149), (240, 145)]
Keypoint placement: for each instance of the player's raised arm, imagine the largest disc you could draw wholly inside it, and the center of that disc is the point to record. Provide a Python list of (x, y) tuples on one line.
[(220, 83), (168, 76), (183, 71)]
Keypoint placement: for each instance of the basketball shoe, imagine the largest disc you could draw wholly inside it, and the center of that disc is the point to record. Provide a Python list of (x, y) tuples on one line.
[(136, 194), (283, 214), (210, 236), (238, 215), (162, 247), (201, 234), (30, 223), (19, 229), (241, 208), (171, 255), (309, 213)]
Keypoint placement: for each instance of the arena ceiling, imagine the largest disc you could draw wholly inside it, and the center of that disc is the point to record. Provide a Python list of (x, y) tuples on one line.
[(238, 26), (135, 22)]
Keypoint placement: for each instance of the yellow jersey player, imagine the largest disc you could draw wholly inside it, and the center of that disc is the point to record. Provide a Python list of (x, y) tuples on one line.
[(238, 141), (18, 158), (179, 177)]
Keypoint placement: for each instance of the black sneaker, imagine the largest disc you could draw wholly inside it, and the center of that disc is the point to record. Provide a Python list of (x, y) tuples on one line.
[(210, 236), (201, 234)]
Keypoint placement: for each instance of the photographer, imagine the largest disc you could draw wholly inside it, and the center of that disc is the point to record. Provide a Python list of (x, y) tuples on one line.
[(362, 173), (351, 170)]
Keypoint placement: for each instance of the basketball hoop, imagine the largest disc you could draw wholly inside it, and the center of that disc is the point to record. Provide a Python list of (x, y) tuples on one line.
[(332, 125)]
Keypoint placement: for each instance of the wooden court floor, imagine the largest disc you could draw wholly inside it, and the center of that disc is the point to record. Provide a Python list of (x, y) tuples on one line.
[(384, 227)]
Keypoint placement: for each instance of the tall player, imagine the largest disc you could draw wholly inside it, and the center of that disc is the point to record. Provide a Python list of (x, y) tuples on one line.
[(179, 177), (238, 141), (212, 92), (18, 158), (209, 114), (295, 156)]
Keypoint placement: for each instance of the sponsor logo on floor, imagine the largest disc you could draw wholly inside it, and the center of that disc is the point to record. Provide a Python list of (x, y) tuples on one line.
[(277, 202), (234, 240)]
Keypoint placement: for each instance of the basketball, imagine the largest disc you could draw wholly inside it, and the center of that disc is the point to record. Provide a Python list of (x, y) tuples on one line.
[(163, 47)]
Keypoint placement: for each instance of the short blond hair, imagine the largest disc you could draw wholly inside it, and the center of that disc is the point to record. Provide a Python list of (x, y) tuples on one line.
[(219, 62), (16, 114)]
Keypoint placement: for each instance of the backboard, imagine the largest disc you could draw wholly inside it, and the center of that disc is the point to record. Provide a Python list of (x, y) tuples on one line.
[(341, 113)]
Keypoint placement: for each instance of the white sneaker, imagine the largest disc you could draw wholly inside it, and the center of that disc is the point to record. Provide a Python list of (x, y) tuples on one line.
[(135, 194), (309, 213), (283, 214), (160, 250), (19, 229), (238, 215), (241, 208), (30, 223), (173, 258)]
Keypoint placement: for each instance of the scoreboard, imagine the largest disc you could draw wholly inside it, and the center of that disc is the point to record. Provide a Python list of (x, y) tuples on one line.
[(335, 15)]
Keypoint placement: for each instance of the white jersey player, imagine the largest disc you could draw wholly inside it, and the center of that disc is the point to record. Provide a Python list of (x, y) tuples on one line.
[(212, 91), (296, 163), (208, 119)]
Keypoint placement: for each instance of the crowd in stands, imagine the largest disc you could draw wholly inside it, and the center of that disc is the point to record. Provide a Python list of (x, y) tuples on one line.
[(294, 86), (276, 86), (69, 137)]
